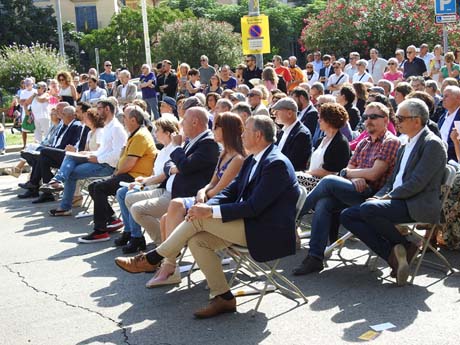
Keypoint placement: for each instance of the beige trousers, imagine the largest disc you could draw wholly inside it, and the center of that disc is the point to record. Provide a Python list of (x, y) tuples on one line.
[(204, 237), (147, 208)]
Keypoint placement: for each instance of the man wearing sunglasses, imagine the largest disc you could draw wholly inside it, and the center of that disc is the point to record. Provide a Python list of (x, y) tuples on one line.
[(367, 171), (411, 194)]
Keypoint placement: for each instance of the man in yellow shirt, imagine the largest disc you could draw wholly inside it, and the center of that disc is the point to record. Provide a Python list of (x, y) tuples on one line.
[(136, 160)]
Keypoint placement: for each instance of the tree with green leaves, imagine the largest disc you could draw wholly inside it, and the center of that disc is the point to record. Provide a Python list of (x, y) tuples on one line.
[(38, 60), (122, 41), (25, 23), (187, 40)]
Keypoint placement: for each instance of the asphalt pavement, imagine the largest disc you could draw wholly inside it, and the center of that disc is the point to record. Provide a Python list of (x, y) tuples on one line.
[(55, 291)]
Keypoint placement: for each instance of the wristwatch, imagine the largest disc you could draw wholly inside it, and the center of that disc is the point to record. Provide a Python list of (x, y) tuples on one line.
[(343, 173)]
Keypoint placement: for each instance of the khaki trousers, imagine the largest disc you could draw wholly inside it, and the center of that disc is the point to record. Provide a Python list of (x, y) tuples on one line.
[(204, 237), (147, 208)]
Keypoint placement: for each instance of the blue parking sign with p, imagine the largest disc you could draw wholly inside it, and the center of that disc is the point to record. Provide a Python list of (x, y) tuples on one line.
[(445, 6)]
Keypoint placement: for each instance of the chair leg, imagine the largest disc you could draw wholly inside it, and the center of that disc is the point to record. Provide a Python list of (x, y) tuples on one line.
[(264, 290)]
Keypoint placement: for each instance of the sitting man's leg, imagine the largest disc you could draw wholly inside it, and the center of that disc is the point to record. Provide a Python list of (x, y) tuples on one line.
[(374, 223), (103, 212), (147, 212), (213, 235), (331, 195)]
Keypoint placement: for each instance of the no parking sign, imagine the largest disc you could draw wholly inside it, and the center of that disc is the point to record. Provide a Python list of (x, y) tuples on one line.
[(255, 34)]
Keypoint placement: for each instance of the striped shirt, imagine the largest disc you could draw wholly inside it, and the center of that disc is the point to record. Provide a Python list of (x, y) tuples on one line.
[(384, 148)]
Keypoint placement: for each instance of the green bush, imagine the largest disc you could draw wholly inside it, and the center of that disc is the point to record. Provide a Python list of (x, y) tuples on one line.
[(187, 40), (39, 61)]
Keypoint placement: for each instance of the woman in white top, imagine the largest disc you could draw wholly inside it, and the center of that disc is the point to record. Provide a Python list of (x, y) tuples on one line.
[(67, 92), (132, 238), (39, 104), (436, 63), (333, 153), (362, 76)]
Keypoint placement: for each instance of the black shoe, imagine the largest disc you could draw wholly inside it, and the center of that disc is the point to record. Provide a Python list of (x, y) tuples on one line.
[(44, 197), (123, 239), (135, 244), (309, 265), (29, 194), (27, 185)]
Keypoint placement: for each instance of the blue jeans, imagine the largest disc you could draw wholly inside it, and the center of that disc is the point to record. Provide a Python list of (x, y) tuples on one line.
[(2, 141), (130, 225), (373, 223), (152, 107), (71, 171), (331, 194)]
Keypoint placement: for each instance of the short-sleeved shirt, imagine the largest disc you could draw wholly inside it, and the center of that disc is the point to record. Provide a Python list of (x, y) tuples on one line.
[(231, 83), (415, 67), (108, 77), (368, 151), (140, 144), (206, 73), (284, 71), (445, 72), (148, 92)]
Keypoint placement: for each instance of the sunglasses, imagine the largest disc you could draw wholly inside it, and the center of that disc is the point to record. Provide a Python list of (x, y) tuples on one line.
[(372, 116), (108, 65), (410, 53), (252, 94), (309, 67), (401, 118), (61, 79), (391, 64)]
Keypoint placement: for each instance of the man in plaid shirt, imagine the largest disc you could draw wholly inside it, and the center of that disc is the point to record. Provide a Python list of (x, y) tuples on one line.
[(370, 166)]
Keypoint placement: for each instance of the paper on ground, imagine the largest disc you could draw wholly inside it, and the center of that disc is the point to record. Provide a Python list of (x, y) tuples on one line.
[(383, 326)]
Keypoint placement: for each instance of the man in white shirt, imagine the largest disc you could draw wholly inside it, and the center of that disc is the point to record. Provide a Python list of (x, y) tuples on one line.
[(376, 65), (426, 56), (335, 81), (411, 194), (450, 102), (351, 68)]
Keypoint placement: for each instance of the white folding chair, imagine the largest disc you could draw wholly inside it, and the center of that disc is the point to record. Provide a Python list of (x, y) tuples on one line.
[(243, 259), (429, 229)]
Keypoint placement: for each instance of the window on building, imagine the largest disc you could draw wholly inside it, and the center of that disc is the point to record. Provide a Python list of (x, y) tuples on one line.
[(86, 18)]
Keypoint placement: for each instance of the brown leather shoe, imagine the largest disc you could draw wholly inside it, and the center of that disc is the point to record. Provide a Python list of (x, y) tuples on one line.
[(217, 306), (137, 264), (398, 262)]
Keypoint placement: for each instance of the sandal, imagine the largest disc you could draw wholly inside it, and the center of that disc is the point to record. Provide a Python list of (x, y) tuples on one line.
[(59, 213), (15, 171), (77, 201), (167, 274), (52, 187)]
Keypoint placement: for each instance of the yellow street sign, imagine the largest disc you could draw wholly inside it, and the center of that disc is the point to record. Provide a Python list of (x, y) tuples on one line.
[(255, 35)]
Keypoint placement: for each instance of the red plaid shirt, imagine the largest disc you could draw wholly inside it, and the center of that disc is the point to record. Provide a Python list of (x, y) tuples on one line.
[(367, 152)]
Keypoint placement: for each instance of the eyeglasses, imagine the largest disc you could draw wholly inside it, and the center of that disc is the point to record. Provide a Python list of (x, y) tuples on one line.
[(410, 53), (401, 118), (391, 64), (252, 94), (249, 60), (372, 116), (61, 79), (203, 60), (336, 67), (108, 65), (309, 67)]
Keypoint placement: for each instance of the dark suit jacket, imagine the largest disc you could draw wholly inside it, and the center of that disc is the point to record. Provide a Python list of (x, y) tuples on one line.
[(451, 148), (310, 118), (196, 167), (72, 136), (171, 81), (268, 205), (322, 71), (422, 178), (297, 146)]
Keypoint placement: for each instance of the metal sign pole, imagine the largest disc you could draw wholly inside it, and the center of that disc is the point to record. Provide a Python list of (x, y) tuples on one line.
[(148, 58), (254, 10)]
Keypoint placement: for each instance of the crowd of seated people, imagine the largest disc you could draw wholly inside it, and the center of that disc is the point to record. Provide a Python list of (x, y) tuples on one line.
[(218, 162)]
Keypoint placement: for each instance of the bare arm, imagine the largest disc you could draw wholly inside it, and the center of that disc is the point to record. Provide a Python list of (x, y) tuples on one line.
[(127, 165), (369, 174)]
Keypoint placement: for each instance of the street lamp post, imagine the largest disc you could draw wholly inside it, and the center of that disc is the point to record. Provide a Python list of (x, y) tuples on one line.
[(148, 58), (59, 27)]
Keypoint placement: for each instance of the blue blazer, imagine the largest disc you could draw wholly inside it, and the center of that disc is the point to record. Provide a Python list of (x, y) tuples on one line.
[(267, 204), (72, 136), (196, 167), (451, 148), (310, 118), (297, 146)]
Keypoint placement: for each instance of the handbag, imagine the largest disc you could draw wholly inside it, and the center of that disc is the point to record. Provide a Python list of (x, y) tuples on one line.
[(28, 124)]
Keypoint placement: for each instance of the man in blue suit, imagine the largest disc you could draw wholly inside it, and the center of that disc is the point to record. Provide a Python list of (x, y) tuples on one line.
[(256, 210), (411, 194), (450, 102), (294, 140)]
